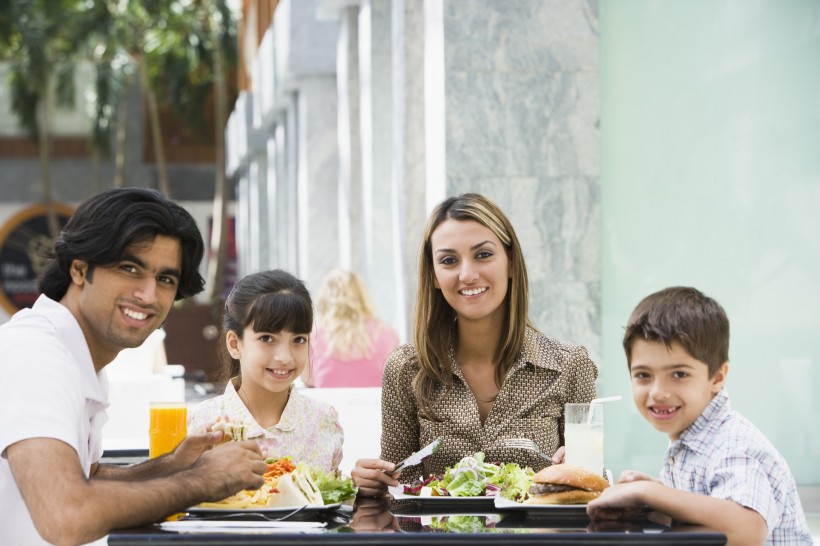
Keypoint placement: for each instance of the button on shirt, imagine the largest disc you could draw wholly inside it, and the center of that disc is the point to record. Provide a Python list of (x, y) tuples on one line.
[(51, 390), (308, 430), (530, 404), (725, 456)]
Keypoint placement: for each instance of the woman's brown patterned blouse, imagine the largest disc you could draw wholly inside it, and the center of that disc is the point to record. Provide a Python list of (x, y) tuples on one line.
[(530, 404)]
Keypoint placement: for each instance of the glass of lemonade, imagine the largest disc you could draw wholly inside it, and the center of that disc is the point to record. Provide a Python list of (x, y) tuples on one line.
[(168, 427), (584, 436)]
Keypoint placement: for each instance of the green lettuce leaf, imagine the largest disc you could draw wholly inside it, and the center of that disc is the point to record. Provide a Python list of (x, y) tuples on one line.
[(333, 486)]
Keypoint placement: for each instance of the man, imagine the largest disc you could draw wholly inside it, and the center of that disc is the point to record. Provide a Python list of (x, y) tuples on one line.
[(119, 264)]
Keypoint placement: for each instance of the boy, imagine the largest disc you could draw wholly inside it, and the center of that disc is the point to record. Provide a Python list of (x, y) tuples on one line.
[(719, 471)]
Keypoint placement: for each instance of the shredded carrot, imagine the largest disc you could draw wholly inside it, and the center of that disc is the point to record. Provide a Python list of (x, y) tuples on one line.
[(279, 467)]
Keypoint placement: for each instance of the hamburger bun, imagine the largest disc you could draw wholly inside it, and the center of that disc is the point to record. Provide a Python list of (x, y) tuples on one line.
[(565, 484)]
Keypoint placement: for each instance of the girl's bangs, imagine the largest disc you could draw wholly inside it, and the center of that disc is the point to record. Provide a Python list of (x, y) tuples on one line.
[(281, 311)]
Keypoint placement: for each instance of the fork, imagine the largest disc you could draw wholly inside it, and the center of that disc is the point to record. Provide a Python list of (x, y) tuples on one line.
[(259, 515), (529, 445)]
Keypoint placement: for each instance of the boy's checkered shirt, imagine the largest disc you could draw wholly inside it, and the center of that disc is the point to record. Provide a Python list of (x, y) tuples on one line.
[(723, 455)]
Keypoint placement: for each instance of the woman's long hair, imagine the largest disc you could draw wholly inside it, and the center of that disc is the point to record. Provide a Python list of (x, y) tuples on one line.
[(434, 325), (343, 308)]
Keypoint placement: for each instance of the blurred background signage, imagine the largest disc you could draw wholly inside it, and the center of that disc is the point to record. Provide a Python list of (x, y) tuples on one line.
[(24, 241)]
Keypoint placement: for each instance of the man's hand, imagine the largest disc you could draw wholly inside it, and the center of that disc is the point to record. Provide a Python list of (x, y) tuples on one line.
[(191, 449), (232, 467), (182, 458)]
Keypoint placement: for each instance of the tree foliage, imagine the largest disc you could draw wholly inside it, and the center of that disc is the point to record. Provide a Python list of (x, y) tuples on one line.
[(181, 51)]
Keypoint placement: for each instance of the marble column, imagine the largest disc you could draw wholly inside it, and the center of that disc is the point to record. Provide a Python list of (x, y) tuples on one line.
[(408, 157), (376, 145), (318, 177), (350, 199), (521, 103), (307, 175), (282, 156)]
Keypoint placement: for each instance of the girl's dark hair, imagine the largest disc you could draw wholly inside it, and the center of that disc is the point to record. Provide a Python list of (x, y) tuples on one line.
[(103, 226), (268, 301), (685, 315)]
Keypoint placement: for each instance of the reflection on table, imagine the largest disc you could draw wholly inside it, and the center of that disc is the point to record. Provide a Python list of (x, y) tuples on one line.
[(385, 521)]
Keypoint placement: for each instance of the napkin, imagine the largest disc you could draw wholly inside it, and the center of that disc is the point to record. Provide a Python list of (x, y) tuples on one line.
[(195, 526)]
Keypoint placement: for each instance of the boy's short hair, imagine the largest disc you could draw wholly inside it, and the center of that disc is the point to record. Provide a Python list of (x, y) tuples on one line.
[(685, 315)]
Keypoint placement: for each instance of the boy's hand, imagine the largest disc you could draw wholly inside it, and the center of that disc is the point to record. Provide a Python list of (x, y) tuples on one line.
[(628, 476), (622, 501)]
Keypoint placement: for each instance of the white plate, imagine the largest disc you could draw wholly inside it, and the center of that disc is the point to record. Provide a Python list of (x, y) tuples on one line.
[(505, 504), (279, 510), (399, 494)]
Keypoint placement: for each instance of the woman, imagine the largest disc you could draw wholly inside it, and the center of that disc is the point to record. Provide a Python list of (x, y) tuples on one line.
[(349, 345), (478, 372)]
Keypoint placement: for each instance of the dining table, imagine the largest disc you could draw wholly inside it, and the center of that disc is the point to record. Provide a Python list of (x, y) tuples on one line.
[(385, 520)]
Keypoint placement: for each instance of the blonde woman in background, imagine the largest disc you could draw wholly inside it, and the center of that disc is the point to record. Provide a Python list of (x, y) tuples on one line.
[(349, 344)]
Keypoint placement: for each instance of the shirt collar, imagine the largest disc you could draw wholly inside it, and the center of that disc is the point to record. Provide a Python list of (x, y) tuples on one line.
[(529, 351), (291, 412), (710, 419), (534, 353), (95, 385), (239, 409), (527, 356)]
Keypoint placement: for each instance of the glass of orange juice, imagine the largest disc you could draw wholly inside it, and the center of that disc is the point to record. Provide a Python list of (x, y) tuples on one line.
[(168, 426)]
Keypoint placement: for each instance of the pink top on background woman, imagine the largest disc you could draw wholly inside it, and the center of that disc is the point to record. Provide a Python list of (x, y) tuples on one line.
[(331, 371), (349, 344)]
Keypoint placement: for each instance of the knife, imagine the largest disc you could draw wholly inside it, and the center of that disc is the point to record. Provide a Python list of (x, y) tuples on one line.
[(418, 456)]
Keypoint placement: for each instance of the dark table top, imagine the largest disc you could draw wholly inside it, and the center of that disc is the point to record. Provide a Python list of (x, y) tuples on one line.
[(385, 521)]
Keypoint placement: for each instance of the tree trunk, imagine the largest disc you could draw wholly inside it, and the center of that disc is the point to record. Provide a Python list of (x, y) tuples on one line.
[(44, 144), (96, 183), (156, 134), (219, 230), (121, 135)]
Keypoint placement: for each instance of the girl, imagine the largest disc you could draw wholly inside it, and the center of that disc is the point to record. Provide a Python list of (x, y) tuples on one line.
[(350, 345), (268, 318), (478, 372)]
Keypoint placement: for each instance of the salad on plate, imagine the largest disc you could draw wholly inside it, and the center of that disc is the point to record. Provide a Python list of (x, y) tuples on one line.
[(472, 476), (290, 485)]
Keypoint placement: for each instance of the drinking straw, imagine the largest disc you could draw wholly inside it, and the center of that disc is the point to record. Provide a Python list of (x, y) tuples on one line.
[(599, 401)]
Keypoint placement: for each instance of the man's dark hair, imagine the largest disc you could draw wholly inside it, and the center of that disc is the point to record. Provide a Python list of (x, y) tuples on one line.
[(106, 224), (684, 315)]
